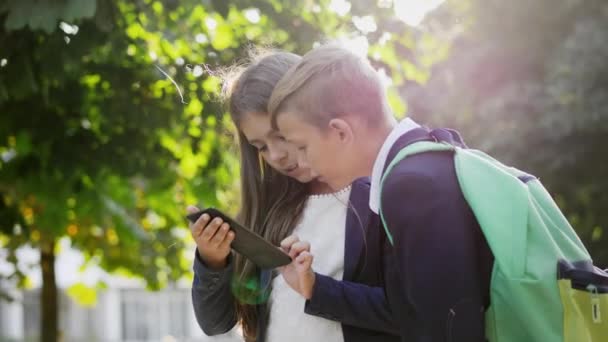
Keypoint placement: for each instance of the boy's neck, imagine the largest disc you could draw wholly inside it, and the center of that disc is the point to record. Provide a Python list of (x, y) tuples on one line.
[(372, 145), (386, 129)]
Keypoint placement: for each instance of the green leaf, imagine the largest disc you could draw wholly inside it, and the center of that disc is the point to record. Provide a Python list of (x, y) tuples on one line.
[(212, 85), (83, 295), (597, 233), (23, 143), (194, 108), (396, 103), (157, 6), (224, 37)]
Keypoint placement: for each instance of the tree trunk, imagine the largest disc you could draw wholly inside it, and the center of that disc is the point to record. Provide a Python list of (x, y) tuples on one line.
[(48, 298)]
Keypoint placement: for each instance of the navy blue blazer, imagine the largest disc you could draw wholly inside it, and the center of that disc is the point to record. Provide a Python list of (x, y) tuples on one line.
[(358, 301), (438, 269)]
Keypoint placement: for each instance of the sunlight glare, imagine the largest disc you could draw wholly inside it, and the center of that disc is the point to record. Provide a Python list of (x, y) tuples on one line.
[(365, 24), (358, 45), (412, 12), (211, 23), (340, 7), (253, 15)]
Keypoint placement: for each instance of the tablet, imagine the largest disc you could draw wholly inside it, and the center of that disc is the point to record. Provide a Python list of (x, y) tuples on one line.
[(249, 244)]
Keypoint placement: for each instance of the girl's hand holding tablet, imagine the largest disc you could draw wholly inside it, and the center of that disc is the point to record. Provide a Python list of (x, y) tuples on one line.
[(212, 239), (299, 274)]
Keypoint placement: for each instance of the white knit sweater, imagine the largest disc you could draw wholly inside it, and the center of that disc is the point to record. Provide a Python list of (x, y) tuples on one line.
[(323, 225)]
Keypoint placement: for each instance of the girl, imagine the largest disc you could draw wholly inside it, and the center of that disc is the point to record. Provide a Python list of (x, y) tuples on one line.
[(280, 197)]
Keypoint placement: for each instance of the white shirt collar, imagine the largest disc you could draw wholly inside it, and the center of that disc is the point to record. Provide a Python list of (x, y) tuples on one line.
[(403, 127)]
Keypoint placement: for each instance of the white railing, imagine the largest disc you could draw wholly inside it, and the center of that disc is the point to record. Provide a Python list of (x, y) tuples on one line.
[(121, 315)]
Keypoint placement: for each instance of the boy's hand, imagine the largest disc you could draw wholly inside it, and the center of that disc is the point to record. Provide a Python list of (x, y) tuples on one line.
[(299, 274), (212, 239)]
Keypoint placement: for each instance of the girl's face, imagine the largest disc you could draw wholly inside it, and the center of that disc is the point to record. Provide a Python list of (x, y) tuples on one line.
[(276, 151)]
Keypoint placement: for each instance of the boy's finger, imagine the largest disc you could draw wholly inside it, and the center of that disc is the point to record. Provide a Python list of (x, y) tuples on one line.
[(301, 246), (303, 256), (288, 241), (304, 260), (298, 248)]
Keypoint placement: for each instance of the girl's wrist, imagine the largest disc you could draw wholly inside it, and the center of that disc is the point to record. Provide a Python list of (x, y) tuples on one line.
[(213, 264)]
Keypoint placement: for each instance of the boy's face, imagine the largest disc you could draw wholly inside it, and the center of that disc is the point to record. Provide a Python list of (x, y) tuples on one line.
[(326, 151)]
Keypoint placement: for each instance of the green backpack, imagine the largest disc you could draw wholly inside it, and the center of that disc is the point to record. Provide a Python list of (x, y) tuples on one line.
[(544, 286)]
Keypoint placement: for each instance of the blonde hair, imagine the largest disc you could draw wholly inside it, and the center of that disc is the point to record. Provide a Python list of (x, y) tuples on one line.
[(329, 82)]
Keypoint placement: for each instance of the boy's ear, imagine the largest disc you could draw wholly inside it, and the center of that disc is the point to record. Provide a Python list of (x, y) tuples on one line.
[(342, 129)]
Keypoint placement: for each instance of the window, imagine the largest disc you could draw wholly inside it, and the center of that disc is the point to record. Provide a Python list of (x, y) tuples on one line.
[(154, 315)]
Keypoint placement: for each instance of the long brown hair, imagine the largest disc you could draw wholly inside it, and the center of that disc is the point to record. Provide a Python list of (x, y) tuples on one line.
[(271, 203)]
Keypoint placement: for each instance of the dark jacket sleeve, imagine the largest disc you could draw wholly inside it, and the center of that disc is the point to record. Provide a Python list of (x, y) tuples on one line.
[(351, 303), (435, 256), (214, 305)]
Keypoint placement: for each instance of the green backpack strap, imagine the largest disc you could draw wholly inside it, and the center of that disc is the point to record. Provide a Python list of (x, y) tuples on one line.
[(410, 150), (500, 202), (499, 199)]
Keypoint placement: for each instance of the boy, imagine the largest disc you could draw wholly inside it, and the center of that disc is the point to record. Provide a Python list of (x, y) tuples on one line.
[(332, 106)]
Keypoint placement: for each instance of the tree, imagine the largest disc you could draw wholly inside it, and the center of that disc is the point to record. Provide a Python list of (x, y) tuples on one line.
[(525, 81), (97, 143)]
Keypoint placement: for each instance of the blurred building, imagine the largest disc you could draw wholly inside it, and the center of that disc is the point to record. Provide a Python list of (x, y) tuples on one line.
[(127, 314), (124, 312)]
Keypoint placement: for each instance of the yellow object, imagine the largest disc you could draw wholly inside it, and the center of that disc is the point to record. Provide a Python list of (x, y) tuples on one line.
[(585, 313)]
